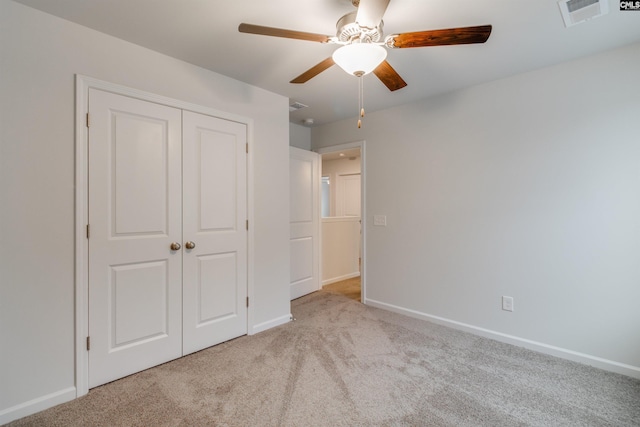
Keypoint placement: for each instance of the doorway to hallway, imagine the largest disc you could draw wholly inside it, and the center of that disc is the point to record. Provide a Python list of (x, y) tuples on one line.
[(343, 220)]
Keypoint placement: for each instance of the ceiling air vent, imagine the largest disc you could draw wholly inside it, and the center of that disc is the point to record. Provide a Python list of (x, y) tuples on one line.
[(578, 11), (296, 106)]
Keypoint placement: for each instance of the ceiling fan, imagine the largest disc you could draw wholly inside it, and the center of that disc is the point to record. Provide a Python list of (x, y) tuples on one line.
[(360, 34)]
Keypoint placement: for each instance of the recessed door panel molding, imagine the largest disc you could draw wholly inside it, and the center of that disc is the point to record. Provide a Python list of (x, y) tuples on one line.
[(218, 179), (217, 284), (135, 279), (304, 226), (132, 322), (301, 190), (301, 259), (140, 174)]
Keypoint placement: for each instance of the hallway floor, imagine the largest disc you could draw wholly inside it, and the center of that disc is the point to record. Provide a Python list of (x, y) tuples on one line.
[(350, 288)]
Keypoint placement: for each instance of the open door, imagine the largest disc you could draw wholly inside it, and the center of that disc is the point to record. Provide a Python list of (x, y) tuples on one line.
[(304, 218)]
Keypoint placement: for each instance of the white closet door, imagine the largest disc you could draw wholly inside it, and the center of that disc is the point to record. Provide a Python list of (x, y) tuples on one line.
[(135, 279), (161, 178), (215, 206), (304, 217)]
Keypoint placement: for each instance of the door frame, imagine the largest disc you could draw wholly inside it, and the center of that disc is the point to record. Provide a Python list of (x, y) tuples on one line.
[(363, 207), (81, 276)]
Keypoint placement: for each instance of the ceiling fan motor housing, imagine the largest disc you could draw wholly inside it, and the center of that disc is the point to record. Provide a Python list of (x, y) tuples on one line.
[(349, 31)]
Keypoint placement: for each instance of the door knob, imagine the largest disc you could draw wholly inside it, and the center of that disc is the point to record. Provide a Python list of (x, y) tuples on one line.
[(189, 245), (175, 246)]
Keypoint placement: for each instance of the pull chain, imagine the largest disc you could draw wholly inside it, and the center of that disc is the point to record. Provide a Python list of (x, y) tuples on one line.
[(360, 99)]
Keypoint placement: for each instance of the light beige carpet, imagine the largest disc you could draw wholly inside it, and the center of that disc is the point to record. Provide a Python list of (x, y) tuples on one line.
[(342, 363)]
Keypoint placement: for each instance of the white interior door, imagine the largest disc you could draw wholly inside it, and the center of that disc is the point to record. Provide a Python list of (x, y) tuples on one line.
[(135, 279), (304, 176), (348, 195), (215, 206)]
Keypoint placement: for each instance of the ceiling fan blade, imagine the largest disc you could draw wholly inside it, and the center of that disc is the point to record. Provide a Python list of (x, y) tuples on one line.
[(313, 71), (370, 12), (389, 76), (463, 35), (279, 32)]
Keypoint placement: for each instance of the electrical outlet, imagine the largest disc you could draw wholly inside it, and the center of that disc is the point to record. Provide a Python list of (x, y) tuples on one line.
[(507, 303)]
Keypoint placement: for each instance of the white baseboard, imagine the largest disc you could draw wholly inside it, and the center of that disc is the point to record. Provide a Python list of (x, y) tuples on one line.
[(270, 324), (587, 359), (340, 278), (37, 405)]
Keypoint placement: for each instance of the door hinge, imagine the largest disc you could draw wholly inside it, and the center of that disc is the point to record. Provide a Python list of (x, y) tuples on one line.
[(88, 122), (88, 343), (247, 301), (247, 224), (88, 230)]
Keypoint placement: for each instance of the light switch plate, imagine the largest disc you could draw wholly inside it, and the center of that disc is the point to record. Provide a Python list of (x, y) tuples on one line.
[(380, 220)]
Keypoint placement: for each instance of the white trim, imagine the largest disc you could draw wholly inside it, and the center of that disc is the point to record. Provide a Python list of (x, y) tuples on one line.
[(341, 218), (363, 205), (83, 84), (340, 278), (81, 243), (587, 359), (90, 82), (271, 324), (37, 405), (250, 233), (341, 147)]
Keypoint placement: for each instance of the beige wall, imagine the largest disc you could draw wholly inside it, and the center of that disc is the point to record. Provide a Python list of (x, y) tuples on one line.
[(39, 57), (526, 187)]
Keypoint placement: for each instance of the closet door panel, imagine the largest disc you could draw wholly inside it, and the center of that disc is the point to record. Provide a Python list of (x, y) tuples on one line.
[(215, 206), (135, 279)]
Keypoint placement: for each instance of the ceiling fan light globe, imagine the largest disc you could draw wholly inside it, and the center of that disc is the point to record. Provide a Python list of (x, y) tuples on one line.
[(359, 58)]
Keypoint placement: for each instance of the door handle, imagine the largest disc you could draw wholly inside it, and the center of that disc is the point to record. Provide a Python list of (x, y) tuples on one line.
[(190, 245), (175, 246)]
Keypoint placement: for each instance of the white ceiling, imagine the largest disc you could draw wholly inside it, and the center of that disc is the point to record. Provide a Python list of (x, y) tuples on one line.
[(527, 35)]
